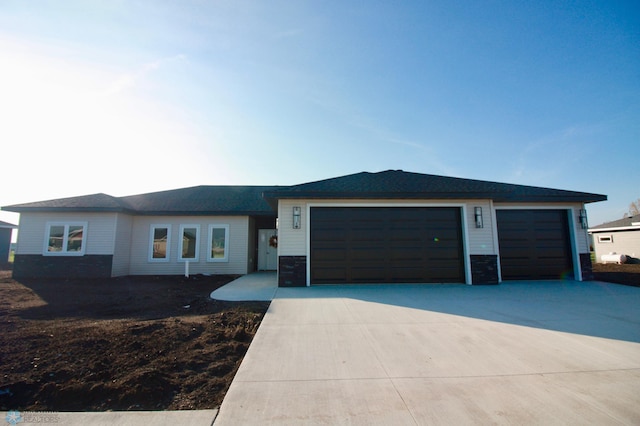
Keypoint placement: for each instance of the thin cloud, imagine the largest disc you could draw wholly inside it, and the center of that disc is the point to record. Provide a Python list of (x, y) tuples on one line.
[(129, 80)]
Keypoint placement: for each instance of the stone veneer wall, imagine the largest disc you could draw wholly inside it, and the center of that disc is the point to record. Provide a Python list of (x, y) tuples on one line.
[(38, 266), (484, 269), (292, 271), (586, 267)]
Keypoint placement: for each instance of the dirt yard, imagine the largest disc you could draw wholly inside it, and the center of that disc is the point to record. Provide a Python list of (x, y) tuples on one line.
[(136, 343), (628, 274)]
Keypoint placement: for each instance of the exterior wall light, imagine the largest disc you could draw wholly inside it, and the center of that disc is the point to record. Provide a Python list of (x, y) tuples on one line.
[(582, 217), (477, 213), (297, 212)]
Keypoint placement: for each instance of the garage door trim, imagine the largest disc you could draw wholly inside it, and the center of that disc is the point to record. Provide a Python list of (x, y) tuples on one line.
[(463, 220)]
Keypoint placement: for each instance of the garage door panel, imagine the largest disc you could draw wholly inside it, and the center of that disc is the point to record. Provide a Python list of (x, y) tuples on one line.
[(390, 244), (328, 254), (329, 274), (330, 234), (534, 244)]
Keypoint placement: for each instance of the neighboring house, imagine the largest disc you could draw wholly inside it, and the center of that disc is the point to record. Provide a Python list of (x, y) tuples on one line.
[(6, 230), (619, 237), (385, 227)]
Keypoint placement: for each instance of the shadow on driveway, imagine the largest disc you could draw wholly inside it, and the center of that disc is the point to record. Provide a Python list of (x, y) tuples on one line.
[(589, 308)]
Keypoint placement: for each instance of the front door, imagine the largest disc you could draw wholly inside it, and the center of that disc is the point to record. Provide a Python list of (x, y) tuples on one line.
[(267, 250)]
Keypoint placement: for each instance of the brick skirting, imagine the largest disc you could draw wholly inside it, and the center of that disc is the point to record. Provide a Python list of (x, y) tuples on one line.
[(484, 269), (38, 266)]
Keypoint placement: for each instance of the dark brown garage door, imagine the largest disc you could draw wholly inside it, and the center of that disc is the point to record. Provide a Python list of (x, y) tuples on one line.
[(534, 244), (386, 245)]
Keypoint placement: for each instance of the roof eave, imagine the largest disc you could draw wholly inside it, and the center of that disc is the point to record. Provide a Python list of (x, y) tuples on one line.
[(18, 209), (203, 213), (498, 197)]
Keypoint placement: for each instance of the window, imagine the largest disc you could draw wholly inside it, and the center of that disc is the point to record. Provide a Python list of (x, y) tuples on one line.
[(160, 241), (189, 238), (218, 243), (65, 239), (605, 238)]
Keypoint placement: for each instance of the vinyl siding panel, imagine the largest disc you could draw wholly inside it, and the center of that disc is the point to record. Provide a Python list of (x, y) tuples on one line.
[(623, 242), (237, 246), (480, 240), (100, 231), (122, 245), (293, 242)]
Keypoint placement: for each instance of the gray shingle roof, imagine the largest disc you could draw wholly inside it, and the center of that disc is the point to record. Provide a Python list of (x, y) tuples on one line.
[(262, 200), (197, 200), (397, 184), (93, 202), (620, 223), (238, 200)]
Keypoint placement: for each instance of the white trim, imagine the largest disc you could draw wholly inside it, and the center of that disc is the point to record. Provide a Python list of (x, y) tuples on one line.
[(461, 206), (465, 244), (602, 239), (213, 226), (496, 241), (181, 241), (614, 229), (65, 238), (577, 270), (152, 228)]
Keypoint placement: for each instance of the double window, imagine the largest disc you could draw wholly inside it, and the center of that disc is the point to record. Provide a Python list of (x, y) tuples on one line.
[(65, 238), (189, 243)]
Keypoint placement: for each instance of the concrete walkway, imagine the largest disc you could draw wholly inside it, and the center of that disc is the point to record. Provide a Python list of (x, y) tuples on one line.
[(517, 353), (258, 286)]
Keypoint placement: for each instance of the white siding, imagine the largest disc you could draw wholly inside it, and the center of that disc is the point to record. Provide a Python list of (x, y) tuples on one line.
[(293, 242), (237, 246), (100, 231), (122, 244), (623, 242), (481, 240)]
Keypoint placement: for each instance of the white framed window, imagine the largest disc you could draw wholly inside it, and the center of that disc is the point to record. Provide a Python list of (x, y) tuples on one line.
[(605, 238), (218, 243), (159, 243), (65, 239), (189, 243)]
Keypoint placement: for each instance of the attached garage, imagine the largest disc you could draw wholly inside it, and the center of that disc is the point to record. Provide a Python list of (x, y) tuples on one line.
[(534, 244), (386, 245)]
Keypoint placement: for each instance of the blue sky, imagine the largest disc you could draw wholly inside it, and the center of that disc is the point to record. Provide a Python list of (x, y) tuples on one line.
[(126, 97)]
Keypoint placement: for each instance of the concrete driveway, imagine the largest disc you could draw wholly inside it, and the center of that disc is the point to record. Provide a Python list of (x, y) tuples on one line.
[(517, 353)]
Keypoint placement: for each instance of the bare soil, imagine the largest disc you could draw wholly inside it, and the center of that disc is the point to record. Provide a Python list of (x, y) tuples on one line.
[(627, 273), (134, 343)]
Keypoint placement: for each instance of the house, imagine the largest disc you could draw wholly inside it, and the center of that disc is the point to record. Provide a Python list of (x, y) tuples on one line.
[(621, 237), (385, 227), (6, 230)]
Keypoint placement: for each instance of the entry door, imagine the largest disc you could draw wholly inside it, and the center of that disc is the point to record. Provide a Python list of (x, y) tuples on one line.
[(267, 253)]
